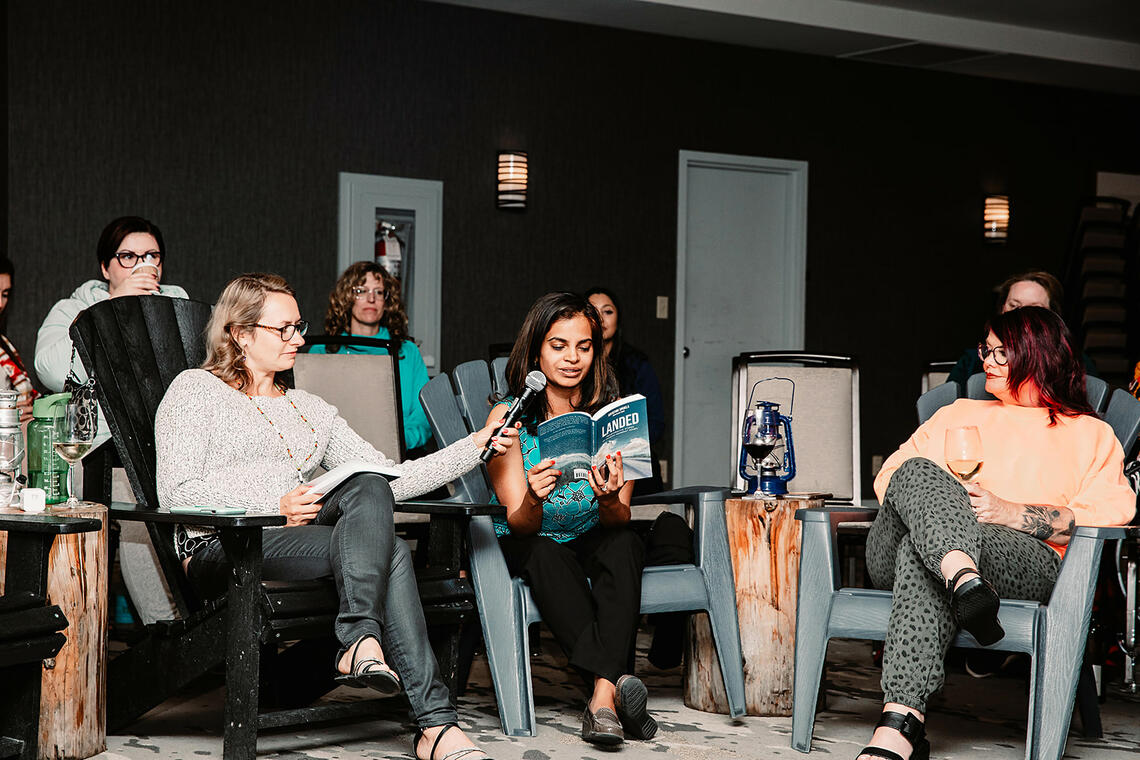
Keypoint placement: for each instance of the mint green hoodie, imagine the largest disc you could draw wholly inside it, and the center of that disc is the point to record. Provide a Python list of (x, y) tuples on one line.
[(53, 343)]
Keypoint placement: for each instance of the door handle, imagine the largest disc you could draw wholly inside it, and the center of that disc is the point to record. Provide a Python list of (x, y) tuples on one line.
[(685, 352)]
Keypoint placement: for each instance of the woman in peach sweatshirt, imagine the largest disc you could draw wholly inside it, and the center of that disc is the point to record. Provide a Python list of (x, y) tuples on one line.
[(950, 550)]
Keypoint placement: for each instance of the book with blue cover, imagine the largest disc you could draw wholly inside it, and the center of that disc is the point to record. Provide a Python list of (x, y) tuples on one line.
[(576, 440)]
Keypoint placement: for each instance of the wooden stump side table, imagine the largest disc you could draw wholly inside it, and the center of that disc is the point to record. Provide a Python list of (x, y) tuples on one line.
[(764, 542), (73, 693)]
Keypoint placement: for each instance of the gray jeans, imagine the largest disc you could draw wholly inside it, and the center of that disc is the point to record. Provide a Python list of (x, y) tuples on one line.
[(926, 513), (352, 540)]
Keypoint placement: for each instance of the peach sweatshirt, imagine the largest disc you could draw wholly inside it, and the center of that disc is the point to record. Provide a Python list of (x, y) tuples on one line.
[(1077, 463)]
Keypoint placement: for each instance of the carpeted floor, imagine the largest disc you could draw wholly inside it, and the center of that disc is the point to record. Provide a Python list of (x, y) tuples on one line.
[(972, 719)]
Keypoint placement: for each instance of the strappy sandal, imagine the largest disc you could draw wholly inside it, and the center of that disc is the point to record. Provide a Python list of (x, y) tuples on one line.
[(453, 755), (911, 728), (382, 679), (975, 606)]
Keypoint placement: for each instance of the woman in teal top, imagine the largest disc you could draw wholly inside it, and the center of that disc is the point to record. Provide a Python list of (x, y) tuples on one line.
[(571, 541), (366, 302), (569, 510)]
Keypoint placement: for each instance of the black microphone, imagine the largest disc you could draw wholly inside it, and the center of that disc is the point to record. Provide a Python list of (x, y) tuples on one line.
[(535, 382)]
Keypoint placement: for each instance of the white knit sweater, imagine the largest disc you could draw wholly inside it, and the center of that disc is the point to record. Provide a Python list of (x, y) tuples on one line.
[(213, 447)]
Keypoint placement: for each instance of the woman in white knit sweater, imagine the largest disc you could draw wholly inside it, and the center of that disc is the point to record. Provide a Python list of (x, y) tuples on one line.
[(230, 434)]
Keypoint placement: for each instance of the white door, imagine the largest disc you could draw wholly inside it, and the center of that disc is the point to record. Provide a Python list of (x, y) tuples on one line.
[(741, 250)]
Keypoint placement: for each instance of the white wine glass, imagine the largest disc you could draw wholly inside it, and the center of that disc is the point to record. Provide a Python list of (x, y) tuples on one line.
[(964, 452), (74, 437)]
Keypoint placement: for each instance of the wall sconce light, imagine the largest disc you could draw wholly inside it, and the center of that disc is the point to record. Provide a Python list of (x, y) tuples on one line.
[(995, 218), (512, 181)]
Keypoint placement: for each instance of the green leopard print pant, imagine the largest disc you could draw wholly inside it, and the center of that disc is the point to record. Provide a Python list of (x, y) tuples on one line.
[(926, 513)]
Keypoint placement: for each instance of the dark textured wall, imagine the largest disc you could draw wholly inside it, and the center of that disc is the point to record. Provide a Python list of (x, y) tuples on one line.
[(226, 123)]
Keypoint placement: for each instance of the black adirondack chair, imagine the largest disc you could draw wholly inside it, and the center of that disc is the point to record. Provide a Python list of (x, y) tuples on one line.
[(30, 628), (134, 347)]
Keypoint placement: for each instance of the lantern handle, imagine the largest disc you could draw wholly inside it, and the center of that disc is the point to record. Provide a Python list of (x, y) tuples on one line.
[(791, 403)]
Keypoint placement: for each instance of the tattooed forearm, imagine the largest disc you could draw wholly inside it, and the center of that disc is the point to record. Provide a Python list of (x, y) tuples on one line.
[(1048, 523)]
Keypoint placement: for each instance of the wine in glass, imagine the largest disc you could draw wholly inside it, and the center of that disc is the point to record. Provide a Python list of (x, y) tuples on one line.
[(964, 452), (74, 437)]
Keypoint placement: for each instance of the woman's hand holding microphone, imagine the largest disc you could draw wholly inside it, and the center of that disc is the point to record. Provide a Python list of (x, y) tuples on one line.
[(501, 442)]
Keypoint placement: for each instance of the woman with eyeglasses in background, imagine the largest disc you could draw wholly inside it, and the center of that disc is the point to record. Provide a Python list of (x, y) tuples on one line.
[(366, 303), (131, 254), (959, 529), (230, 434)]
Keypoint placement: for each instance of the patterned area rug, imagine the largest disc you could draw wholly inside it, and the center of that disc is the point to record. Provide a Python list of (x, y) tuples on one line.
[(972, 719)]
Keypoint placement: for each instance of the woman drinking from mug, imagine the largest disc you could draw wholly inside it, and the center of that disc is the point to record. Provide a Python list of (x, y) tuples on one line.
[(231, 434), (951, 550), (131, 254), (571, 542)]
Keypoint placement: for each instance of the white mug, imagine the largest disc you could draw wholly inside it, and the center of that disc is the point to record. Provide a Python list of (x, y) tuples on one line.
[(33, 500)]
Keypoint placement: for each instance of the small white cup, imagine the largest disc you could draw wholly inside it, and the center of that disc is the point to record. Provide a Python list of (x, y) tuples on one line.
[(33, 500)]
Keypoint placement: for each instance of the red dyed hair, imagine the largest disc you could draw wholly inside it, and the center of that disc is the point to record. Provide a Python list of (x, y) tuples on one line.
[(1040, 351)]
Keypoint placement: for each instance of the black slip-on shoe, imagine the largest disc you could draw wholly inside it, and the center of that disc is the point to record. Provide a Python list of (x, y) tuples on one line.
[(632, 702), (601, 727)]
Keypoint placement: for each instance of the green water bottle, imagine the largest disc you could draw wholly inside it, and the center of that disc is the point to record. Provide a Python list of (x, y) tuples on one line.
[(47, 469)]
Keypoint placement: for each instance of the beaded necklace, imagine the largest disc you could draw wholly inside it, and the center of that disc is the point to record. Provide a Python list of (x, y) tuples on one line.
[(288, 450)]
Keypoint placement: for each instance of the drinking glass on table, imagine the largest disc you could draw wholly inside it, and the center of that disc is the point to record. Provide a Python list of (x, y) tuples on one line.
[(964, 452), (74, 437)]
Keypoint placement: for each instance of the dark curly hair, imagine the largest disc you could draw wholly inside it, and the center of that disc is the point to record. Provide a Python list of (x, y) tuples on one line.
[(338, 318), (1040, 352)]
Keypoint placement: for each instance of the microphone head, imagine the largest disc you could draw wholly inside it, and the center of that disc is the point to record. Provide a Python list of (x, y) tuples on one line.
[(536, 381)]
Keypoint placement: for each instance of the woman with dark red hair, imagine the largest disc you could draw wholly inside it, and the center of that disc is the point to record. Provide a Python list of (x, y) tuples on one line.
[(951, 550)]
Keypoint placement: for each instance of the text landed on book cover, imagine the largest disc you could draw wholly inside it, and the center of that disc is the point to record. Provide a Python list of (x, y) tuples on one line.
[(576, 439)]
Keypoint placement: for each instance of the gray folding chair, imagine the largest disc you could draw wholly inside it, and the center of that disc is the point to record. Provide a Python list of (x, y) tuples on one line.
[(1053, 634), (365, 389), (935, 374), (506, 608), (825, 417)]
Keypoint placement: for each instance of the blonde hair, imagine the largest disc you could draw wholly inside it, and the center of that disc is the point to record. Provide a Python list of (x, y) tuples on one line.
[(238, 307), (338, 318)]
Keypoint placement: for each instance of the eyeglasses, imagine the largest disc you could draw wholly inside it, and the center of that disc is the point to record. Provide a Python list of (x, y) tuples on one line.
[(127, 259), (998, 352), (287, 331), (363, 293)]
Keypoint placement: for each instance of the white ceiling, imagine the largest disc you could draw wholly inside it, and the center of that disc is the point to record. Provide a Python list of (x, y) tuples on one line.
[(1094, 44)]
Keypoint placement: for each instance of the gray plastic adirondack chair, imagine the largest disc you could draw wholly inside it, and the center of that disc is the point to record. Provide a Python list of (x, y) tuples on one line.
[(930, 402), (1123, 414), (506, 608), (1053, 634), (936, 398)]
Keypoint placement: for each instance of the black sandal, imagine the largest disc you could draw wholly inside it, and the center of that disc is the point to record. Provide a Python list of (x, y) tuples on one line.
[(453, 755), (383, 680), (975, 606), (911, 728)]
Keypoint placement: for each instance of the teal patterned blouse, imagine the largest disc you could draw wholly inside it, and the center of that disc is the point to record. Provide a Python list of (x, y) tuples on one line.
[(569, 510)]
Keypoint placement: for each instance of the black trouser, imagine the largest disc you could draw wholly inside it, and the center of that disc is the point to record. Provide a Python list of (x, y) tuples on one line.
[(594, 622), (353, 541)]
